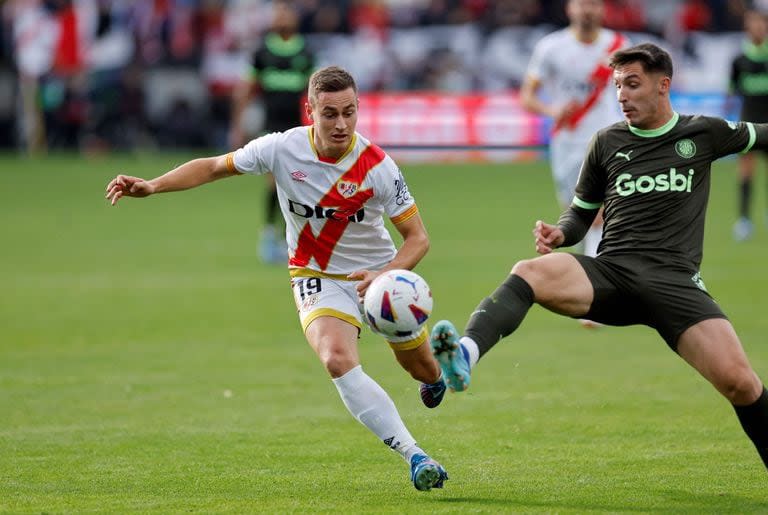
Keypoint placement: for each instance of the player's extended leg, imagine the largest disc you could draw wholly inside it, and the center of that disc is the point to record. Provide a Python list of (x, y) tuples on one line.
[(743, 228), (713, 348), (555, 281), (335, 343), (416, 358)]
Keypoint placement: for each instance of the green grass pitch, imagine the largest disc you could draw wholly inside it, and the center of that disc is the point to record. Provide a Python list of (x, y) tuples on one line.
[(150, 363)]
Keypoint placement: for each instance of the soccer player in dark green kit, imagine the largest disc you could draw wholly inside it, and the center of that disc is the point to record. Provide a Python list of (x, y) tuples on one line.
[(749, 80), (652, 175), (281, 67)]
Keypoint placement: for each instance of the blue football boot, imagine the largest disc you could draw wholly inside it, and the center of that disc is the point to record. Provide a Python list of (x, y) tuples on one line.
[(432, 394), (450, 355), (426, 473)]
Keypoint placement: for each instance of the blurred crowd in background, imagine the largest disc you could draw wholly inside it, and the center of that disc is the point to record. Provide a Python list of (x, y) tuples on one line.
[(121, 74)]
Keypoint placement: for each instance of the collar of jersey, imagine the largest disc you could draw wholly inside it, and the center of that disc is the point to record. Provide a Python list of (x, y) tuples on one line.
[(311, 133), (758, 53), (653, 133), (284, 47)]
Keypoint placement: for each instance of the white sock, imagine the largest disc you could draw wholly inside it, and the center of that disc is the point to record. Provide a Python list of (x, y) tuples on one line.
[(592, 240), (370, 404), (472, 349)]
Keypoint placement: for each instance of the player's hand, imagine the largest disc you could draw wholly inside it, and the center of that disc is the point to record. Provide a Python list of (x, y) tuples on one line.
[(548, 237), (365, 277), (127, 186)]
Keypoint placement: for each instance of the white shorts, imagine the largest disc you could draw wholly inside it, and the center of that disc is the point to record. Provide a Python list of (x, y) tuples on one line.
[(323, 296)]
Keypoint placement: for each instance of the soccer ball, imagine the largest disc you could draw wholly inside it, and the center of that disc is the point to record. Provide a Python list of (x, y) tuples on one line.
[(398, 303)]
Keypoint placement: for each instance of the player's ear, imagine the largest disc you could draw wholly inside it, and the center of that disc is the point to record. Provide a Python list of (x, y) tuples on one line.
[(665, 83), (308, 109)]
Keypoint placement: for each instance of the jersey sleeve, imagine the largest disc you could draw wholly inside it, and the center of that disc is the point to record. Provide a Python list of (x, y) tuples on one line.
[(731, 137), (399, 205), (539, 67), (257, 157), (590, 188)]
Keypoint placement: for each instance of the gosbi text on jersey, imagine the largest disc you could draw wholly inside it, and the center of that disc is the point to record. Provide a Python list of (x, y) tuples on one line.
[(334, 211)]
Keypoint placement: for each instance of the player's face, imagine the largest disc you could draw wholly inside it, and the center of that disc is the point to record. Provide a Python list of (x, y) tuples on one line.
[(586, 14), (285, 19), (334, 117), (756, 26), (641, 95)]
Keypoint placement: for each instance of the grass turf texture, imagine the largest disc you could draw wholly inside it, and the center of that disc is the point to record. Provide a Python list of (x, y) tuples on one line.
[(150, 363)]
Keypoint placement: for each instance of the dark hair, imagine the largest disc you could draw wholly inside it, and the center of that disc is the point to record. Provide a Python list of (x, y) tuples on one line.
[(653, 58), (330, 80)]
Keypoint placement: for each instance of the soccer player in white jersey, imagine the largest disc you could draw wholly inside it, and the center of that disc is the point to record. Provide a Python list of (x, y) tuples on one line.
[(334, 188), (571, 67)]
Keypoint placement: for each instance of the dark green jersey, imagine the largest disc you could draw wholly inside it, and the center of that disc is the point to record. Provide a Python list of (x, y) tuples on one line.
[(282, 69), (654, 184), (749, 79)]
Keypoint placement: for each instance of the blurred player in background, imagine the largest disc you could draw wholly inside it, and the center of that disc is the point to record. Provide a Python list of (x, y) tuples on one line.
[(749, 80), (280, 68), (570, 68), (652, 175), (335, 187)]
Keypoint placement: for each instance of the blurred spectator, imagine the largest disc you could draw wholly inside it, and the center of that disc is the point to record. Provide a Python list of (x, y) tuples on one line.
[(64, 89), (323, 16), (371, 16), (728, 15), (444, 72), (168, 31), (79, 63), (694, 15), (691, 16), (115, 115), (510, 13), (625, 15)]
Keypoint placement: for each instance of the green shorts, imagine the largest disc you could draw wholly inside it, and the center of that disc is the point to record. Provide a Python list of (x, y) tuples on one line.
[(650, 290)]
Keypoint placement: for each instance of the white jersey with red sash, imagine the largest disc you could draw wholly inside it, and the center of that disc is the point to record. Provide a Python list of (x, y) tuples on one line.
[(570, 70), (333, 211)]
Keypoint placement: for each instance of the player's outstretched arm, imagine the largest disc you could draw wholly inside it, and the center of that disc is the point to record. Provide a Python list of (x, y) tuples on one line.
[(761, 136), (548, 237), (189, 175)]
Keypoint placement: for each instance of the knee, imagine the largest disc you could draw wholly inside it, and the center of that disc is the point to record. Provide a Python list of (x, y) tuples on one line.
[(741, 387), (528, 269), (337, 360)]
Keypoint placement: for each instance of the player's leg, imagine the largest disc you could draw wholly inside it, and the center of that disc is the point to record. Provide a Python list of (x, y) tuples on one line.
[(566, 166), (744, 228), (415, 356), (556, 281), (714, 350), (335, 343), (272, 248), (330, 316)]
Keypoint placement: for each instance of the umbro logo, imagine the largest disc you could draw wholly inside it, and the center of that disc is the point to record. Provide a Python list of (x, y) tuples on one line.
[(298, 175), (625, 156)]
